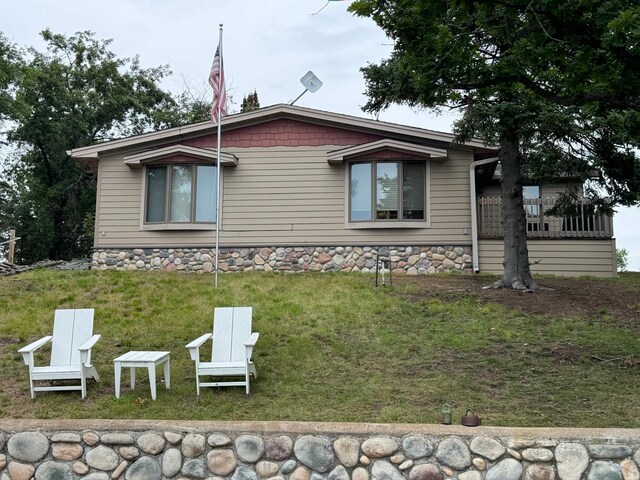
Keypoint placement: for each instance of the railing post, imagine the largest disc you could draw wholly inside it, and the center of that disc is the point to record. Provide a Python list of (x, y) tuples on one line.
[(12, 245)]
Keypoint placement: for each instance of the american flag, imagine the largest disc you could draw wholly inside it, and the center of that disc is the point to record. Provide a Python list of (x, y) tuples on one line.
[(216, 80)]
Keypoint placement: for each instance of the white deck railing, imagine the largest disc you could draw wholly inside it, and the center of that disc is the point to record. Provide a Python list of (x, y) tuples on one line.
[(586, 222)]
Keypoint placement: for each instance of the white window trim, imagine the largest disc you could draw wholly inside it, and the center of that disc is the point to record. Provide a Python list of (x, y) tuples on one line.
[(175, 225), (389, 224)]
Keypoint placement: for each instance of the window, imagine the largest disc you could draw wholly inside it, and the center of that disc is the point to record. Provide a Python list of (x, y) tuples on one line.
[(530, 194), (383, 191), (181, 194)]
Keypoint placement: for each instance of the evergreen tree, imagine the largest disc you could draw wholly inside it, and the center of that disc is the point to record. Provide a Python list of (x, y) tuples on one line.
[(250, 102)]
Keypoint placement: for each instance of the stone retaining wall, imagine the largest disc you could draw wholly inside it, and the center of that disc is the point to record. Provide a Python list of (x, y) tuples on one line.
[(154, 450), (413, 260)]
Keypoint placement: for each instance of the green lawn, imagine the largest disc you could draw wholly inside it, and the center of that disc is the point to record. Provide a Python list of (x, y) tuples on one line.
[(331, 348)]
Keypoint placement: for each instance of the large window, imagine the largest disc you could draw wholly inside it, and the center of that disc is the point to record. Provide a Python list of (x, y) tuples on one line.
[(181, 194), (387, 191)]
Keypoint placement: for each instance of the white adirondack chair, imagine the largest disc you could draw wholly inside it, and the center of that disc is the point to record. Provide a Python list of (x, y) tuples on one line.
[(233, 344), (71, 345)]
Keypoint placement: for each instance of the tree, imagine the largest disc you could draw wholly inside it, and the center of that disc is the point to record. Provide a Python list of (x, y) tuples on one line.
[(250, 102), (622, 259), (553, 84), (74, 94)]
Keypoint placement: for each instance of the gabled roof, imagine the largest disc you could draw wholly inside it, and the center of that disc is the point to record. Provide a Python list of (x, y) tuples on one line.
[(239, 120), (139, 159), (337, 157)]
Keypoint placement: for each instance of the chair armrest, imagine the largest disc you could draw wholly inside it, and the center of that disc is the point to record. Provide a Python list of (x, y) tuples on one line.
[(88, 345), (194, 347), (85, 349), (27, 352), (249, 344), (252, 340)]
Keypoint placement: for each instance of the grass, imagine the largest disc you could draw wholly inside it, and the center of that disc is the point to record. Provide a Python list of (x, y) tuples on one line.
[(332, 348)]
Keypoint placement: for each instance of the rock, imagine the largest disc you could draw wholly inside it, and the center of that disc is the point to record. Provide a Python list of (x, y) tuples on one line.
[(244, 473), (470, 476), (129, 453), (508, 469), (545, 443), (609, 451), (221, 461), (426, 471), (194, 468), (151, 443), (360, 474), (266, 469), (479, 463), (249, 448), (3, 461), (397, 458), (572, 460), (378, 447), (145, 468), (317, 476), (278, 448), (66, 451), (540, 472), (629, 470), (487, 447), (300, 473), (514, 453), (636, 456), (66, 437), (171, 462), (2, 441), (417, 446), (315, 452), (28, 446), (406, 465), (117, 473), (364, 460), (383, 470), (193, 445), (454, 452), (173, 438), (116, 439), (347, 450), (604, 471), (288, 466), (102, 458), (97, 476), (338, 473), (90, 438), (218, 440), (80, 468), (537, 455), (20, 471), (448, 472)]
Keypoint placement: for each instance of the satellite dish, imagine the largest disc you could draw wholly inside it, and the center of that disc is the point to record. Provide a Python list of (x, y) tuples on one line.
[(310, 82)]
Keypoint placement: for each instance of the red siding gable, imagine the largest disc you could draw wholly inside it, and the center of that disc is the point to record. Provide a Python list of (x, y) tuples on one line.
[(284, 133)]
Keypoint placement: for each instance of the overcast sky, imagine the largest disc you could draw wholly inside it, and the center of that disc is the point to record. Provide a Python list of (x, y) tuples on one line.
[(268, 46)]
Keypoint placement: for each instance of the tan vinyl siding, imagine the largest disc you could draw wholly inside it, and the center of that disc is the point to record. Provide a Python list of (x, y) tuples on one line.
[(284, 196), (556, 257)]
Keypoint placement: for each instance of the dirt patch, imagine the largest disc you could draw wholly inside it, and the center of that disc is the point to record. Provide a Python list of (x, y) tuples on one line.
[(595, 298)]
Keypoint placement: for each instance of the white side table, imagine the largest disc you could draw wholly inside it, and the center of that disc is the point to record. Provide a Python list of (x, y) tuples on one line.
[(149, 360)]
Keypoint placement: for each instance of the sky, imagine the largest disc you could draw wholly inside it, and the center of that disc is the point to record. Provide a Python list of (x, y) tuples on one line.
[(267, 46)]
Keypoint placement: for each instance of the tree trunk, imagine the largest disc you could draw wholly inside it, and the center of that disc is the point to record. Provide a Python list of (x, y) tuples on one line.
[(517, 273)]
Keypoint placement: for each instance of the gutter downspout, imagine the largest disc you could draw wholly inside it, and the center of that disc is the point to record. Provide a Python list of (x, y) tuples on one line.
[(474, 211)]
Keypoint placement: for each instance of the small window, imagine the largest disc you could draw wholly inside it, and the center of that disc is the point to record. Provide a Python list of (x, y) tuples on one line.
[(531, 194), (181, 194), (387, 191)]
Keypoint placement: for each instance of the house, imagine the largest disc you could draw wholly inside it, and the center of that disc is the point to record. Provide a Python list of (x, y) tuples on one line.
[(305, 189)]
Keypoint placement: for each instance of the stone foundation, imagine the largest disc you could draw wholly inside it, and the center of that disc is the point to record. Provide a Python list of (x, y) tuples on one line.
[(155, 450), (413, 260)]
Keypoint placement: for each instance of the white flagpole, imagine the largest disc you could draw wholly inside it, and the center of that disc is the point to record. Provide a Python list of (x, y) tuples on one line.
[(219, 146)]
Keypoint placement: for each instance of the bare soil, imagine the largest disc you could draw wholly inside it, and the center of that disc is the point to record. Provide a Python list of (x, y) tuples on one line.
[(591, 298)]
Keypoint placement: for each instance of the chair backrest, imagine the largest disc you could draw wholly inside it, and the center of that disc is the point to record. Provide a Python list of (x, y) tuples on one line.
[(71, 328), (231, 328)]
